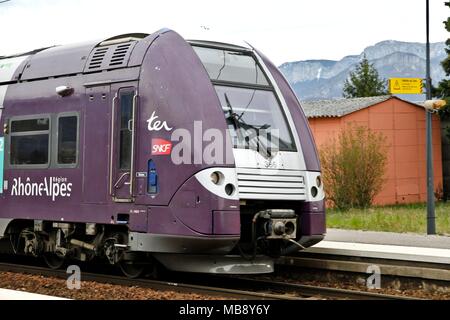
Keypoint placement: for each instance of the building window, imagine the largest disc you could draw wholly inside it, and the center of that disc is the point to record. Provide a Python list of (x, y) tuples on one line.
[(30, 141), (67, 139)]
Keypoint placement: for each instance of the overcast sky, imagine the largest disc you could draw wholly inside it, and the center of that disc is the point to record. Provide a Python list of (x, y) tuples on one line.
[(284, 30)]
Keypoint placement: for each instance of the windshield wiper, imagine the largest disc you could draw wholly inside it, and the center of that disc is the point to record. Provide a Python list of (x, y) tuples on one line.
[(260, 146), (241, 124), (231, 111), (233, 118)]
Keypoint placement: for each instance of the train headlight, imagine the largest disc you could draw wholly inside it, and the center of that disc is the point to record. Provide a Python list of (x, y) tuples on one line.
[(220, 181), (314, 185), (217, 177), (229, 189), (319, 181), (314, 192)]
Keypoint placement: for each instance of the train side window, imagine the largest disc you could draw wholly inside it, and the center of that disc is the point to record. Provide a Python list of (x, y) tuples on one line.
[(67, 139), (29, 144)]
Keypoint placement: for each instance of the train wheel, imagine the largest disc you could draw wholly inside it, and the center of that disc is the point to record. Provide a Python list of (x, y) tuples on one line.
[(53, 261), (132, 269)]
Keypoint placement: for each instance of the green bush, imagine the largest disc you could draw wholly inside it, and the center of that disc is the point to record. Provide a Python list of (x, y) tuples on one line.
[(353, 167)]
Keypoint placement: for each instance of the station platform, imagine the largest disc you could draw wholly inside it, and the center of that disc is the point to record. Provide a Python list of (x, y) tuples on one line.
[(388, 238), (384, 245), (6, 294)]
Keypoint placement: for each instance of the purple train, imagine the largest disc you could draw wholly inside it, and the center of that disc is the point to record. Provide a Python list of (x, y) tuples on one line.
[(149, 150)]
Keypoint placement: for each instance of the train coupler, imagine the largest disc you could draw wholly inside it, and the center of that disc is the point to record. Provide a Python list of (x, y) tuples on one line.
[(278, 223)]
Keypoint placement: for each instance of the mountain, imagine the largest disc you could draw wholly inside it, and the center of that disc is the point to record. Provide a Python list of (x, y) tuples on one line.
[(324, 79)]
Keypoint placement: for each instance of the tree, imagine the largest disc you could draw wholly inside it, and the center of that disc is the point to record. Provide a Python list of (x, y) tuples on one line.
[(364, 81), (354, 167), (443, 90)]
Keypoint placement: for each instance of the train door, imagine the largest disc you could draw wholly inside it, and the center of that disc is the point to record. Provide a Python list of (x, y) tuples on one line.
[(97, 118), (123, 142)]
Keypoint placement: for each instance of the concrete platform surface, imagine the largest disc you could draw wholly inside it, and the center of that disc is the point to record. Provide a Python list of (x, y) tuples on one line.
[(6, 294), (379, 251), (388, 238)]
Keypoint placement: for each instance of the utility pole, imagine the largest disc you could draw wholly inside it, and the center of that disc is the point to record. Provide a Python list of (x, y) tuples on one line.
[(431, 217)]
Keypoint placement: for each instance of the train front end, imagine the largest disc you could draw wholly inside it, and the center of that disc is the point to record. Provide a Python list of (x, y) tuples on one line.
[(195, 154), (278, 172)]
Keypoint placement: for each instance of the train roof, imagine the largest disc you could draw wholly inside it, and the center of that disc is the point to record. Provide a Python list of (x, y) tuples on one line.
[(94, 56), (121, 51)]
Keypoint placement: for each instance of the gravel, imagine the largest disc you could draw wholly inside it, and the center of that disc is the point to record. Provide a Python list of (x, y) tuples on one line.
[(98, 291), (420, 289), (89, 290)]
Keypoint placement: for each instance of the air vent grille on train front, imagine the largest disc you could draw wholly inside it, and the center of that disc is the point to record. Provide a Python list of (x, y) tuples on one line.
[(97, 58), (119, 54), (109, 57), (271, 184)]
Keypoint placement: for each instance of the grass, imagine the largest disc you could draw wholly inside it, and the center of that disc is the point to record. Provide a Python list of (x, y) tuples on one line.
[(399, 218)]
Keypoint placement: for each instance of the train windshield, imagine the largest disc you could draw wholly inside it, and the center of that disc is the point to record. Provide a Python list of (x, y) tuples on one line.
[(253, 113)]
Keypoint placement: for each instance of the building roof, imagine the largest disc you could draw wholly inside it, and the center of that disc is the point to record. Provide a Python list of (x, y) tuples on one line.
[(341, 107)]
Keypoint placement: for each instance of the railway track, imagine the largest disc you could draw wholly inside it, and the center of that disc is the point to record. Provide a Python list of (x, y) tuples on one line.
[(402, 269), (300, 290), (222, 286), (145, 283)]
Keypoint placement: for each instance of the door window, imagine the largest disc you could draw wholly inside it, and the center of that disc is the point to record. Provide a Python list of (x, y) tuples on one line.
[(126, 117)]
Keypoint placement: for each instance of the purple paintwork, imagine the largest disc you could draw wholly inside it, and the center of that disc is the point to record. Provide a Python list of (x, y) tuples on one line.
[(174, 84), (171, 80), (313, 217), (42, 64), (189, 215), (171, 77)]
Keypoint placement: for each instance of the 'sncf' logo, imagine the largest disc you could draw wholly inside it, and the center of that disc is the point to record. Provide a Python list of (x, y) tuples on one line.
[(161, 147)]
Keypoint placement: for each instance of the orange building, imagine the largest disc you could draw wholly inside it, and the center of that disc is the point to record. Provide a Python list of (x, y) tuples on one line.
[(403, 124)]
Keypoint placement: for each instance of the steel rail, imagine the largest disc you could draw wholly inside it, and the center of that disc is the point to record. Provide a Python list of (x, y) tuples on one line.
[(357, 264), (146, 283), (222, 286), (317, 291)]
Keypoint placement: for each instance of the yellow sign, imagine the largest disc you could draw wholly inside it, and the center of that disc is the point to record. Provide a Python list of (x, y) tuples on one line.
[(405, 85)]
